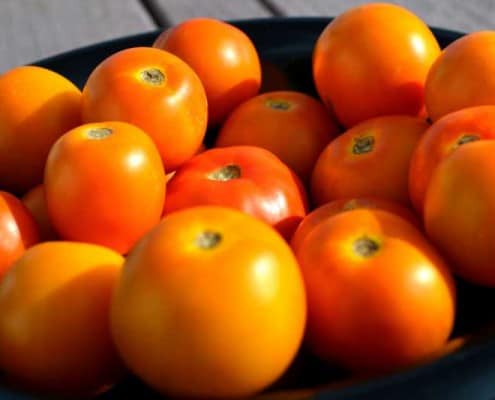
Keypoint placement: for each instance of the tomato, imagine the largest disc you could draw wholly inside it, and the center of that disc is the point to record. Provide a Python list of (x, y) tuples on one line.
[(18, 230), (36, 107), (328, 210), (218, 297), (246, 178), (54, 311), (373, 60), (35, 202), (459, 213), (104, 184), (293, 126), (379, 295), (441, 139), (155, 91), (370, 159), (463, 76), (227, 62)]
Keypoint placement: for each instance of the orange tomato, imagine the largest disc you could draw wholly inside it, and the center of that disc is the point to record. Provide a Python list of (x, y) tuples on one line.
[(370, 159), (373, 60), (441, 139), (219, 299), (35, 202), (459, 213), (227, 63), (104, 184), (246, 178), (463, 76), (154, 90), (18, 230), (293, 126), (320, 214), (36, 107), (379, 295), (54, 331)]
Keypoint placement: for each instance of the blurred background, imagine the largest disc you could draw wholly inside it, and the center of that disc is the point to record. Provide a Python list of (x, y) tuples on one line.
[(34, 29)]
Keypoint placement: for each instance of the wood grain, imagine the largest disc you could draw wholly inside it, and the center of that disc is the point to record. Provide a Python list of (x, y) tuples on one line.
[(33, 29)]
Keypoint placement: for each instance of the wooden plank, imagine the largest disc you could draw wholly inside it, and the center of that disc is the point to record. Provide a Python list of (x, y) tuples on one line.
[(462, 15), (174, 11), (33, 29)]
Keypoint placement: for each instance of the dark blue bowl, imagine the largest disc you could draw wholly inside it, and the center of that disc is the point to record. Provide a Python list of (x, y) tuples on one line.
[(286, 45)]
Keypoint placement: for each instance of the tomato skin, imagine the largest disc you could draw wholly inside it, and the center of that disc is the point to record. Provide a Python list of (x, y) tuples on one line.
[(328, 210), (440, 140), (292, 125), (464, 229), (380, 311), (397, 56), (462, 76), (36, 107), (231, 73), (265, 188), (106, 189), (35, 202), (173, 292), (18, 230), (54, 332), (370, 159), (172, 111)]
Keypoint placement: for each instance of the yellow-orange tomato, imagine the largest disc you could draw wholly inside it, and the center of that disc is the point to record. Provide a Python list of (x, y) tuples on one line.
[(442, 138), (224, 58), (292, 125), (459, 212), (104, 184), (36, 107), (463, 76), (54, 310), (210, 304), (154, 90), (35, 202), (18, 230), (370, 159), (373, 60), (379, 295), (322, 213)]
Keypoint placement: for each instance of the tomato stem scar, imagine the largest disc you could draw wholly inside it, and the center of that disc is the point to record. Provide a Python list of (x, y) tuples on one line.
[(99, 133), (226, 173), (153, 76), (277, 104), (208, 240), (363, 144), (366, 247), (466, 138)]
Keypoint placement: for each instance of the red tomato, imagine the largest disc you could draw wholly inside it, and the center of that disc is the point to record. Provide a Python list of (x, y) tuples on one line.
[(226, 61), (35, 201), (373, 60), (246, 178)]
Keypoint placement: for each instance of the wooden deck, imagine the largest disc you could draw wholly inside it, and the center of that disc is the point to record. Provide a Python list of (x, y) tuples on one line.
[(34, 29)]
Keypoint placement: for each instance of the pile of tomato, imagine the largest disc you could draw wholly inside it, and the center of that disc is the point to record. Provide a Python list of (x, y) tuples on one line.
[(335, 223)]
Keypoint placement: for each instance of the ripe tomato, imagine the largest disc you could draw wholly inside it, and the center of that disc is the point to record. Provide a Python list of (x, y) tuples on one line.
[(54, 331), (35, 202), (372, 60), (463, 76), (36, 107), (246, 178), (227, 62), (18, 230), (104, 184), (320, 214), (441, 139), (379, 295), (293, 126), (155, 91), (370, 159), (459, 213), (218, 297)]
